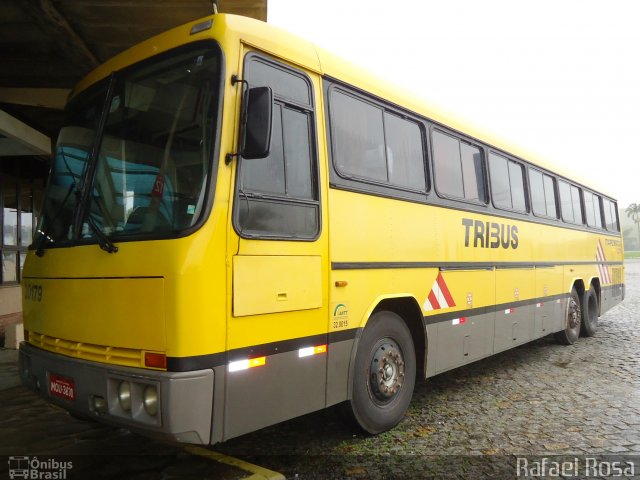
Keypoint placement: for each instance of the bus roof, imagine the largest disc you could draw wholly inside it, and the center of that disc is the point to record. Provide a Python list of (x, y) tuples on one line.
[(304, 53)]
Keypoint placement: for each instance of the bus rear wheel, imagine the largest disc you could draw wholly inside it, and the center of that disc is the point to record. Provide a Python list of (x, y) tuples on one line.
[(590, 313), (384, 373), (571, 332)]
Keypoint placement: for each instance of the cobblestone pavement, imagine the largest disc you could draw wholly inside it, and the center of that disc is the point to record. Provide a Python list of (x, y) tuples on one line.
[(538, 400)]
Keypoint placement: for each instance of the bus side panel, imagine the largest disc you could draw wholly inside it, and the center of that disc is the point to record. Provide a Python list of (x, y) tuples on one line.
[(613, 294), (461, 338), (515, 317), (287, 386), (549, 309)]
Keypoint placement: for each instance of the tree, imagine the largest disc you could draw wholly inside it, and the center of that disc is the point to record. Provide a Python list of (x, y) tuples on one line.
[(633, 212)]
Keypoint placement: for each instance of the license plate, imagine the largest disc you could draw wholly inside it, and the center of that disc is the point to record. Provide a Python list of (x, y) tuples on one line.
[(62, 387)]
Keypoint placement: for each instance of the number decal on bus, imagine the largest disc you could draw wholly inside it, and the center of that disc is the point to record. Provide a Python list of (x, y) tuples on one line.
[(33, 292)]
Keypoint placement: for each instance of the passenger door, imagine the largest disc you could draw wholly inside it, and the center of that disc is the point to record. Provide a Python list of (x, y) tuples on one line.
[(280, 271)]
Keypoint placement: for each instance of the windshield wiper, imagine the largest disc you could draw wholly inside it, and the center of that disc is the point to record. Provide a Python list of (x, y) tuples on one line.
[(39, 243), (104, 242)]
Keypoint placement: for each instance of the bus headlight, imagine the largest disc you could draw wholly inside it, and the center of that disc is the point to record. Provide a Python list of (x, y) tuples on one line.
[(150, 399), (124, 396)]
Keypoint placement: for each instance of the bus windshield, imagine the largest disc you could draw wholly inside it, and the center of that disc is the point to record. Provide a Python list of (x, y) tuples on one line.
[(134, 155)]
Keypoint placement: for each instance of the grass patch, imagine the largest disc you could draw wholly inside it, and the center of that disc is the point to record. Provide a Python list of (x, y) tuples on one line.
[(631, 255)]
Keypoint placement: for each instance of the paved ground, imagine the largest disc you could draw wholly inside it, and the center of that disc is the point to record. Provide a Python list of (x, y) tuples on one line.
[(537, 400)]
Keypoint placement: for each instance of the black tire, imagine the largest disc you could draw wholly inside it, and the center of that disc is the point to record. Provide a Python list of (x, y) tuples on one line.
[(590, 311), (573, 321), (381, 395)]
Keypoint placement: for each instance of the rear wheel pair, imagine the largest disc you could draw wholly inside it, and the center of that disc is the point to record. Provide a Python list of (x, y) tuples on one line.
[(581, 316)]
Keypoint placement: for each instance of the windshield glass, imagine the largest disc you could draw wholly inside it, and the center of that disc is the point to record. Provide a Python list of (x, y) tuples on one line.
[(148, 174)]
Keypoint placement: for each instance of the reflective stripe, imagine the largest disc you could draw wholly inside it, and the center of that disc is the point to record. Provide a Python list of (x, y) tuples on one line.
[(309, 351), (247, 363)]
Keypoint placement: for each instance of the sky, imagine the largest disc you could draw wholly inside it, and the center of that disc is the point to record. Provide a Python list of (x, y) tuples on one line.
[(560, 78)]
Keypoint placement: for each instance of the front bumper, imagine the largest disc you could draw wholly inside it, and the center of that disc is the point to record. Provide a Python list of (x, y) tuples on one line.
[(185, 398)]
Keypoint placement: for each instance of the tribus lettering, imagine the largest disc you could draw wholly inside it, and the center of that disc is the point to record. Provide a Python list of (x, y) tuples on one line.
[(489, 234)]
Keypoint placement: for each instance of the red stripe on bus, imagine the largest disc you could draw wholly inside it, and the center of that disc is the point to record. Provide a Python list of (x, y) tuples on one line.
[(445, 291), (433, 300)]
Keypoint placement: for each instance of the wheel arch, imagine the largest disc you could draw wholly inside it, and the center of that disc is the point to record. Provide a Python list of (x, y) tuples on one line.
[(408, 309), (578, 284), (595, 283)]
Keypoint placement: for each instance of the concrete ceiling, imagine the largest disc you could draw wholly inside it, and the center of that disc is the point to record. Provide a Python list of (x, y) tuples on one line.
[(46, 46)]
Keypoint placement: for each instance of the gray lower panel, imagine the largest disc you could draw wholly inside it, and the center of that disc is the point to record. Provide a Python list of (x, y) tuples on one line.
[(340, 356), (460, 341), (286, 386), (514, 326), (185, 398), (453, 343)]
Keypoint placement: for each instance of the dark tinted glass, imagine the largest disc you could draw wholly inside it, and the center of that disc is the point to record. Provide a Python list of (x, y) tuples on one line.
[(472, 172), (277, 195), (611, 218), (550, 196), (592, 209), (536, 185), (266, 175), (358, 138), (597, 211), (277, 218), (577, 208), (566, 206), (405, 157), (282, 82), (543, 194), (499, 175), (448, 168), (297, 153), (516, 180), (589, 209)]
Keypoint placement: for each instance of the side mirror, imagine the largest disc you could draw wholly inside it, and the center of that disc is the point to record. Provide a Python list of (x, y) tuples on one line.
[(258, 122)]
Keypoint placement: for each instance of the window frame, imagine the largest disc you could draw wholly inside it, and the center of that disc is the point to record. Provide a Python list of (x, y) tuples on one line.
[(525, 181), (311, 111), (556, 194), (367, 185), (461, 139), (597, 200), (613, 210), (571, 185)]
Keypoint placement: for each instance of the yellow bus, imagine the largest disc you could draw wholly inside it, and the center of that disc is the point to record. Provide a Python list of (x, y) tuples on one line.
[(240, 228)]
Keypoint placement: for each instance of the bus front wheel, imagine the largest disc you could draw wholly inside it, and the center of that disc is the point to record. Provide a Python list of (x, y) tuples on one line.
[(590, 313), (384, 373), (571, 332)]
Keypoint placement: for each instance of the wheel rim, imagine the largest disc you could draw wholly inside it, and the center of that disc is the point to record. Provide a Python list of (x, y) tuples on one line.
[(387, 371), (574, 315)]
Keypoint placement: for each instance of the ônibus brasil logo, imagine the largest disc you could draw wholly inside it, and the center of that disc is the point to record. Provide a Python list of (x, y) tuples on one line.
[(37, 469)]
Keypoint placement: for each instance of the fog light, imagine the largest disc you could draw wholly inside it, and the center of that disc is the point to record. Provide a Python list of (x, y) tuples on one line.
[(99, 404), (124, 395), (150, 400)]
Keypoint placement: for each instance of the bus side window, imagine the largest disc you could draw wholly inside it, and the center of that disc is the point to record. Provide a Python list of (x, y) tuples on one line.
[(459, 168), (543, 194), (610, 215), (593, 210), (372, 143), (277, 196), (507, 183), (570, 204)]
